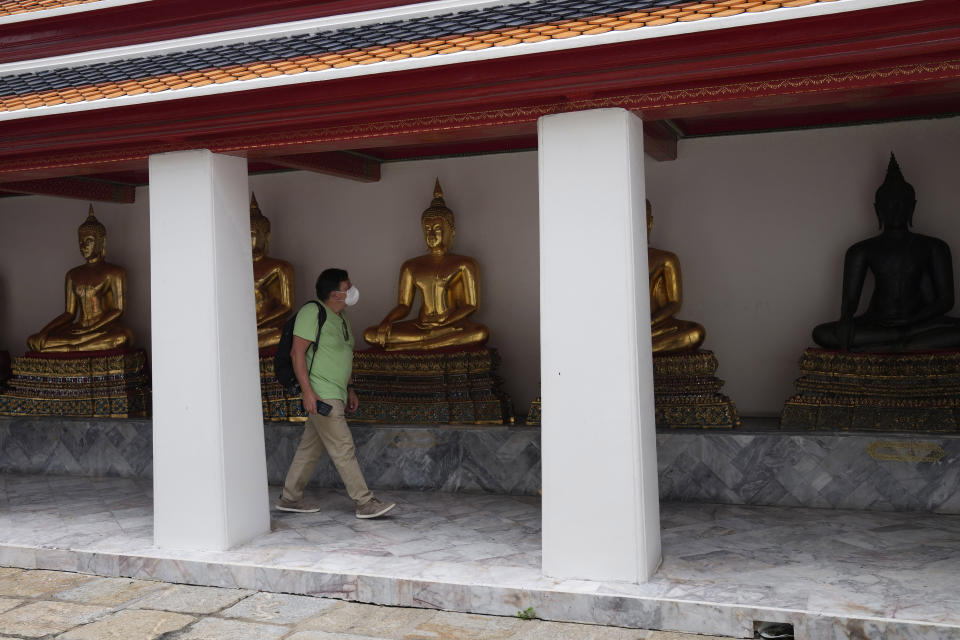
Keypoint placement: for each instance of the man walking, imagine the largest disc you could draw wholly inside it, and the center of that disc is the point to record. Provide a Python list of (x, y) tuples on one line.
[(324, 371)]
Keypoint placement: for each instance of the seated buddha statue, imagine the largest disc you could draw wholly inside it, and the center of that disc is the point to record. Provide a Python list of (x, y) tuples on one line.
[(272, 281), (95, 301), (913, 283), (666, 296), (449, 286)]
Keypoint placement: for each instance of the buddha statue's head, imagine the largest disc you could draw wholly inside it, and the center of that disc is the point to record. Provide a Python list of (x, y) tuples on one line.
[(895, 199), (649, 221), (259, 230), (437, 223), (93, 238)]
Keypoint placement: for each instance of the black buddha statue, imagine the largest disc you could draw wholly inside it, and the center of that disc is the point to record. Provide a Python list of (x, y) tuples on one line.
[(913, 283)]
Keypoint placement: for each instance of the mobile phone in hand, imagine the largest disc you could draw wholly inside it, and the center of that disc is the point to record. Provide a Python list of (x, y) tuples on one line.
[(323, 408)]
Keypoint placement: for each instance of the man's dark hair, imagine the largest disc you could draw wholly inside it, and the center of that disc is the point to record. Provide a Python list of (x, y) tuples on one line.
[(329, 281)]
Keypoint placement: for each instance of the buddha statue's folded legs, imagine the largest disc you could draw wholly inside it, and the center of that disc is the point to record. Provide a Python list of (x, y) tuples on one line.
[(677, 335), (72, 338), (269, 334), (933, 334), (409, 336)]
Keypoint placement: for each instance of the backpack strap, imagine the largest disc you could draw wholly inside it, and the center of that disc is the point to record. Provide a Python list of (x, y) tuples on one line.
[(321, 318)]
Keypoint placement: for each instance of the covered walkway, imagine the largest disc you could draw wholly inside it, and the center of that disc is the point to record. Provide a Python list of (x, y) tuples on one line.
[(724, 567)]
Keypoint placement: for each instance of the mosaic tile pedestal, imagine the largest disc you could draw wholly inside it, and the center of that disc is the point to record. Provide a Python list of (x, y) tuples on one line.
[(278, 405), (686, 393), (96, 384), (839, 391), (446, 386), (535, 413)]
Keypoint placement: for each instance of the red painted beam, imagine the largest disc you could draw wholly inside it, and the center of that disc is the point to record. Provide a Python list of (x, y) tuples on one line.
[(334, 163), (659, 140), (160, 20), (76, 188)]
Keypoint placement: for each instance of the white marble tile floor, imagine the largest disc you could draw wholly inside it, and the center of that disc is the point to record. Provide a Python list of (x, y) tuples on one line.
[(832, 574)]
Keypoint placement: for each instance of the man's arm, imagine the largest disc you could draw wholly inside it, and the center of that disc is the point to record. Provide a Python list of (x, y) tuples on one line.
[(298, 353)]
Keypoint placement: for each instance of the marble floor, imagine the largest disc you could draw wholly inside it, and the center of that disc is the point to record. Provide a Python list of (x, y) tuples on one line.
[(830, 573)]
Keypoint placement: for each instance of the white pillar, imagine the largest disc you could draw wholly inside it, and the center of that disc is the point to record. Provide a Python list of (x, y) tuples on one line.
[(601, 513), (209, 464)]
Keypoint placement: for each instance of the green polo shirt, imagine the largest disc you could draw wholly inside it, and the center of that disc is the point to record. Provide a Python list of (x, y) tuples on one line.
[(333, 361)]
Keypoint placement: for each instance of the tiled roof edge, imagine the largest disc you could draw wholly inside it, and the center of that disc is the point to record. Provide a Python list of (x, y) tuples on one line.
[(255, 34), (41, 12), (229, 85)]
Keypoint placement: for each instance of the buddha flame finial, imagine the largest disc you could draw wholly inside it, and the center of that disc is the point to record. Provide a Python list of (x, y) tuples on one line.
[(894, 175), (258, 221), (894, 184), (91, 224), (437, 206), (894, 192)]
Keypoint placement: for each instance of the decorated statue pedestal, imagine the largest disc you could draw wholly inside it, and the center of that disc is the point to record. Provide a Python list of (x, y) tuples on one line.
[(535, 413), (277, 405), (687, 393), (4, 368), (443, 386), (99, 384), (844, 391)]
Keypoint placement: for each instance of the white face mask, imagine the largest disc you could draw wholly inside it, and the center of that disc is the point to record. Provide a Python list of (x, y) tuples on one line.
[(353, 295)]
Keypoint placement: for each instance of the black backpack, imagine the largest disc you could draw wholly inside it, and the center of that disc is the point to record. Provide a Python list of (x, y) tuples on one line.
[(283, 363)]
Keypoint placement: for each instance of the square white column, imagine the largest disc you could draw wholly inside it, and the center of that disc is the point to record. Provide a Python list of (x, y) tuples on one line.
[(601, 511), (209, 463)]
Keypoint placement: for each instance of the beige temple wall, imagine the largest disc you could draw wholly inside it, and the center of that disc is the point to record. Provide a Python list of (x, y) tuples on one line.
[(760, 223)]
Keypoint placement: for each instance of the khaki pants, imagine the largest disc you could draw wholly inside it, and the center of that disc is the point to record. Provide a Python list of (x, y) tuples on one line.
[(331, 434)]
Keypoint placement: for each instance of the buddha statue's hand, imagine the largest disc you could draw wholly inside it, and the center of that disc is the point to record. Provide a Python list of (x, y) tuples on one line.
[(383, 333), (431, 321), (845, 332)]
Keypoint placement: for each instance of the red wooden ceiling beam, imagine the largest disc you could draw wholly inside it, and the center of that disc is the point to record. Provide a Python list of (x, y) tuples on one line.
[(76, 188), (333, 163), (660, 140)]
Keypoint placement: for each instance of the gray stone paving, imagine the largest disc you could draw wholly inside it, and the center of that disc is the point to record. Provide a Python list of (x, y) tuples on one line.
[(69, 606)]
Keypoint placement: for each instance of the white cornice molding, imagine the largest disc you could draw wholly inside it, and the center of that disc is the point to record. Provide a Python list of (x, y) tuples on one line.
[(611, 37)]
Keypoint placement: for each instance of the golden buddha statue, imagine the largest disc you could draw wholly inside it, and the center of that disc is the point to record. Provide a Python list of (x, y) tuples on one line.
[(272, 281), (666, 296), (449, 286), (95, 301)]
